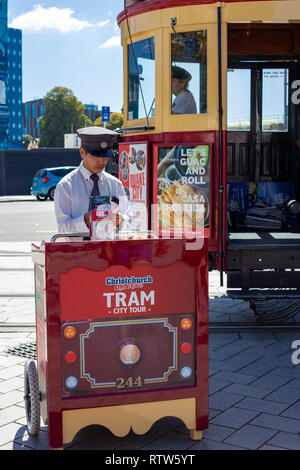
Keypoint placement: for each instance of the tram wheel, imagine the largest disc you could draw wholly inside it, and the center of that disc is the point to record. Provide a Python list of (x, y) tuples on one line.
[(272, 311), (32, 398)]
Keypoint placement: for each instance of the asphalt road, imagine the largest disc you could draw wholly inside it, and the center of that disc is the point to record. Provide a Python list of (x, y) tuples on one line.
[(25, 219)]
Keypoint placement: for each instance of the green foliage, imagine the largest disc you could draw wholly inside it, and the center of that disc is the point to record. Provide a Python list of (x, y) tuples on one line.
[(116, 121), (63, 113)]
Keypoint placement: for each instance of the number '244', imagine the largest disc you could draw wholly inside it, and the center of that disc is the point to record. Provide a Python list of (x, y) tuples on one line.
[(131, 382)]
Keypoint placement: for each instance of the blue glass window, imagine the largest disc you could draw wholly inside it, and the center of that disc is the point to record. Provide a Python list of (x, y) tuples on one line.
[(141, 79)]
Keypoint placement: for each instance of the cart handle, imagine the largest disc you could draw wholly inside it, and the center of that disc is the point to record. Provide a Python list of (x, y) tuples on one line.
[(70, 235), (121, 236)]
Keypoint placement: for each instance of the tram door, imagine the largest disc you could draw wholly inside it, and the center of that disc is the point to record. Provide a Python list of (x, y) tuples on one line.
[(259, 122)]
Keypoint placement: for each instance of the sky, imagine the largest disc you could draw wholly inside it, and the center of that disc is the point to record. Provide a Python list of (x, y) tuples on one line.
[(76, 44), (71, 43)]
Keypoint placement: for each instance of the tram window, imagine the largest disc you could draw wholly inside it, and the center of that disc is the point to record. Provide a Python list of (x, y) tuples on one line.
[(141, 79), (189, 72), (275, 112), (239, 99)]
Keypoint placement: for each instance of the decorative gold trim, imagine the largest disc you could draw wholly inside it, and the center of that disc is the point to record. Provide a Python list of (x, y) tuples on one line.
[(138, 417), (133, 321)]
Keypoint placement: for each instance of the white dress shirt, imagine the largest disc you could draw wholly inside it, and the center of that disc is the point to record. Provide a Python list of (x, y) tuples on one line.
[(184, 103), (72, 198)]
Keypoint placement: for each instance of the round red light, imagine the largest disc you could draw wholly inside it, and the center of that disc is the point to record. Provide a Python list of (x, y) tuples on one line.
[(186, 323), (70, 357), (186, 348)]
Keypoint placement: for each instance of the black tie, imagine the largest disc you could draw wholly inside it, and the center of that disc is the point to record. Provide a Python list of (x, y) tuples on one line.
[(95, 179)]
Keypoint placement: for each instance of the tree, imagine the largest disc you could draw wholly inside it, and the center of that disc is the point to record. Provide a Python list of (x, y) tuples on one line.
[(116, 121), (63, 112)]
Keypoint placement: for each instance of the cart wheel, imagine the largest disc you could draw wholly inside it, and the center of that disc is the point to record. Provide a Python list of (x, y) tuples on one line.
[(32, 398)]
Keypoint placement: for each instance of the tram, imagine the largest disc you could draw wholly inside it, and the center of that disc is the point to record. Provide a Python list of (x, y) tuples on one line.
[(240, 64)]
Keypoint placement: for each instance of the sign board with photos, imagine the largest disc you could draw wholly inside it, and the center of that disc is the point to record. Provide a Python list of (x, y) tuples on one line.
[(133, 174), (181, 193)]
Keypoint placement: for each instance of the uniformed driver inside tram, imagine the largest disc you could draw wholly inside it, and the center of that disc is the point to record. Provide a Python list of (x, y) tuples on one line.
[(184, 102)]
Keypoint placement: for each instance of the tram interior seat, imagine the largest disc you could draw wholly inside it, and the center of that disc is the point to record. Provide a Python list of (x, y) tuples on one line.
[(263, 207)]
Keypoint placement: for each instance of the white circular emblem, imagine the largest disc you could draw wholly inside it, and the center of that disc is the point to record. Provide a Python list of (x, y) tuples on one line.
[(104, 145)]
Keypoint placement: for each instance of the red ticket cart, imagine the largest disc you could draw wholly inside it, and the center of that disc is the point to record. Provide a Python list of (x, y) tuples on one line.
[(122, 337)]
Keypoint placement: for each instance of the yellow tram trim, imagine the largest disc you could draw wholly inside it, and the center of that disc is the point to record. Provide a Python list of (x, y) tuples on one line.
[(164, 121), (156, 23)]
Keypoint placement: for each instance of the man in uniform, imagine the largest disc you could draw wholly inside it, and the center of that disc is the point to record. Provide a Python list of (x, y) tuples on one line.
[(72, 194), (184, 102)]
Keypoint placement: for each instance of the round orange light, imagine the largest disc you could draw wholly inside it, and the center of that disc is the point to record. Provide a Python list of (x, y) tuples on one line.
[(130, 354), (70, 357), (186, 323), (69, 332), (186, 348)]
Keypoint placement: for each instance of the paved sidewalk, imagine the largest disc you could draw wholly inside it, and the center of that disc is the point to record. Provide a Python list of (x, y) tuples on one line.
[(25, 197), (254, 394)]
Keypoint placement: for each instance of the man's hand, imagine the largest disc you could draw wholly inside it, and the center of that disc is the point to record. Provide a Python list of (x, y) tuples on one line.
[(87, 219), (117, 219)]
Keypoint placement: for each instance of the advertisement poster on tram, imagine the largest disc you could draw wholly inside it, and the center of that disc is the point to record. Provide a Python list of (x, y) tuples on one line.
[(181, 195), (133, 173)]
